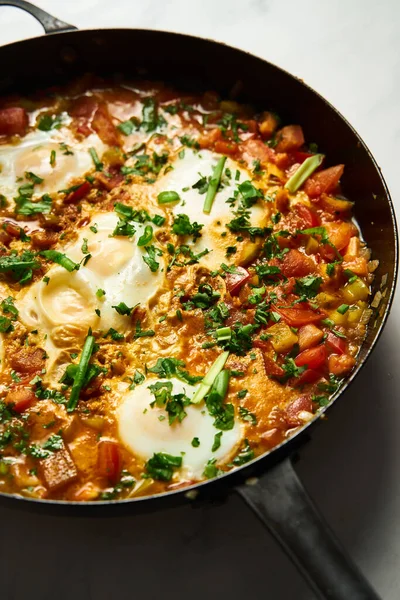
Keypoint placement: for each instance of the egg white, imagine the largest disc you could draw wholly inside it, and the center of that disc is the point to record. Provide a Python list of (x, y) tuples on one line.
[(63, 307), (143, 433), (32, 154), (187, 171)]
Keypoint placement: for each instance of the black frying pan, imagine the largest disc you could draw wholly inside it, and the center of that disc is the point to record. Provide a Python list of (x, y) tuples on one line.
[(269, 483)]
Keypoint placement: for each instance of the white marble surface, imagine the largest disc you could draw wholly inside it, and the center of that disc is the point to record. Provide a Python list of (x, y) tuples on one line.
[(349, 52)]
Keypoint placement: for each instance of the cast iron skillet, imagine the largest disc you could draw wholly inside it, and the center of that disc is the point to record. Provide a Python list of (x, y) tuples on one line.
[(269, 483)]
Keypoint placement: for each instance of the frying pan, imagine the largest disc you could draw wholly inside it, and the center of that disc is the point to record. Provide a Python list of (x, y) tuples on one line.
[(269, 484)]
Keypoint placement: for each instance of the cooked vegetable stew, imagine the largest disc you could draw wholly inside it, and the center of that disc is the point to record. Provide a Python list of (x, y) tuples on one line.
[(182, 288)]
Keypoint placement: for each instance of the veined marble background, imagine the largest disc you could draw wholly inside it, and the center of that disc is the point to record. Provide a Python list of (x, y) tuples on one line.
[(348, 50)]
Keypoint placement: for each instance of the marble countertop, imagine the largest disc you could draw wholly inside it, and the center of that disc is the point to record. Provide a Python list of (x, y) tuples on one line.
[(350, 53)]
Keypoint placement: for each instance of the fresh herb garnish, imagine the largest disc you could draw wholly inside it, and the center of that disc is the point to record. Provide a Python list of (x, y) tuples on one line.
[(122, 308), (246, 454), (183, 226), (150, 258), (246, 415), (161, 466)]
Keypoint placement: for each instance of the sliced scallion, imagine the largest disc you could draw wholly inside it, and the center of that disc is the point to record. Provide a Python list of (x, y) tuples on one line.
[(168, 197), (61, 259), (223, 333), (95, 158), (221, 384), (342, 309), (306, 169), (146, 237), (214, 184), (210, 377), (79, 377)]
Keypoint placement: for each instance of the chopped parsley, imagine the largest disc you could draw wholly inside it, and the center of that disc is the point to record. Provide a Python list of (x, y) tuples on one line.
[(183, 226), (161, 466)]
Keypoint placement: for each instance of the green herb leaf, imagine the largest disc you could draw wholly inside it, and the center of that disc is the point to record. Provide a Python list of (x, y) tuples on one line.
[(246, 415), (217, 441), (48, 122), (246, 454), (183, 226), (122, 308), (308, 286), (161, 466), (150, 259)]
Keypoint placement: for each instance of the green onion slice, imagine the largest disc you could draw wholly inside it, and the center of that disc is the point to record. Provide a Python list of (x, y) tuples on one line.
[(61, 259), (306, 169), (221, 384), (343, 308), (223, 333), (146, 237), (95, 158), (168, 197), (81, 373), (210, 377), (213, 185)]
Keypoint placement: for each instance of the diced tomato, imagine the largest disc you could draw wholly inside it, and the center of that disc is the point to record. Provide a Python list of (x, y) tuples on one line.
[(78, 194), (303, 403), (256, 150), (324, 181), (358, 265), (109, 461), (225, 147), (83, 107), (300, 157), (263, 345), (208, 139), (296, 264), (336, 344), (306, 217), (28, 360), (308, 376), (340, 364), (234, 281), (272, 368), (104, 126), (285, 288), (297, 316), (13, 121), (21, 398), (289, 138), (313, 358), (340, 233)]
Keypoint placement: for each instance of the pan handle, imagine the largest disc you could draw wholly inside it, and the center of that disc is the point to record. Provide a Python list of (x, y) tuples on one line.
[(279, 499), (50, 23)]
